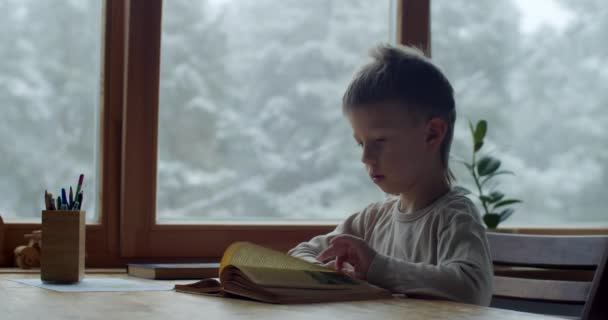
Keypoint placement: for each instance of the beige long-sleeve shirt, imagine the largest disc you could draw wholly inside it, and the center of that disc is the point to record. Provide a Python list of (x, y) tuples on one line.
[(440, 251)]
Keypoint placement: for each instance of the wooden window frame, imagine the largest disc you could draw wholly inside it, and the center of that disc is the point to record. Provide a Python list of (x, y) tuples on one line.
[(140, 236), (102, 244), (127, 230)]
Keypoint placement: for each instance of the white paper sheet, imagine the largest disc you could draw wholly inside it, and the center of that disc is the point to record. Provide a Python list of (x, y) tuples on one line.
[(98, 285)]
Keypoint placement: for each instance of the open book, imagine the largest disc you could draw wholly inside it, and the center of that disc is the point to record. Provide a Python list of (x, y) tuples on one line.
[(262, 274)]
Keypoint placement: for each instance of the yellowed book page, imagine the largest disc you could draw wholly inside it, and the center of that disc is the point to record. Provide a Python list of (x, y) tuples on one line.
[(248, 254), (303, 279)]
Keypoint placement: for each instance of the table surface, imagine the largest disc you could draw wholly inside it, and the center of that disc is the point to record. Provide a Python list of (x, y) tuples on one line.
[(19, 301)]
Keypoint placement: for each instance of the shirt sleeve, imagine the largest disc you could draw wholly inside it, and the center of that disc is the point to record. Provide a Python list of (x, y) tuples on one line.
[(463, 271), (353, 225)]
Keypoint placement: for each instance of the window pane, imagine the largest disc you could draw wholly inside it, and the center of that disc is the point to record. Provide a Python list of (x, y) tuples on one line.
[(250, 113), (49, 88), (536, 70)]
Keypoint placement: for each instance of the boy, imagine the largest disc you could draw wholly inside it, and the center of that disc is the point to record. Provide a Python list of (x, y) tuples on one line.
[(429, 242)]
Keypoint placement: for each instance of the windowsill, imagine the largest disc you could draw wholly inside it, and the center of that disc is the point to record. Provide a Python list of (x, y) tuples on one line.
[(228, 223), (27, 224), (582, 229), (87, 271)]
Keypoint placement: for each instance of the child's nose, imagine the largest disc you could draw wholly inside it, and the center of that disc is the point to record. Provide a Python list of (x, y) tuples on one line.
[(368, 157)]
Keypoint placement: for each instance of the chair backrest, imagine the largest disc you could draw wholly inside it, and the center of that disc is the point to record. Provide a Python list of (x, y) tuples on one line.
[(541, 254), (596, 307)]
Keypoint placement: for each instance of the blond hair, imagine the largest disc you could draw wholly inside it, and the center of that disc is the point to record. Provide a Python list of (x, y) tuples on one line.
[(403, 74)]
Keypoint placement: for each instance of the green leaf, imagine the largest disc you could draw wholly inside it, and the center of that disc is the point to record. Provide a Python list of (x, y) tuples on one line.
[(462, 190), (491, 220), (495, 174), (506, 202), (496, 196), (493, 197), (487, 165), (505, 214), (485, 199), (472, 131), (480, 131), (477, 146)]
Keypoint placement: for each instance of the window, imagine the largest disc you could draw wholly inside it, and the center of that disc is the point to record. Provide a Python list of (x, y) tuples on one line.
[(50, 91), (536, 70), (195, 69), (250, 123)]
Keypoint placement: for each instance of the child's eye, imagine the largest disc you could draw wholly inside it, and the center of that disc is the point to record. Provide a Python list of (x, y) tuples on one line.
[(381, 140)]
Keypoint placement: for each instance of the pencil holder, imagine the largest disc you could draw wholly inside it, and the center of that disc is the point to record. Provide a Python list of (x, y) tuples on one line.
[(63, 246)]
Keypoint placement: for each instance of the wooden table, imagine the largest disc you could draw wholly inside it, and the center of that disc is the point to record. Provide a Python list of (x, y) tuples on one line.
[(18, 301)]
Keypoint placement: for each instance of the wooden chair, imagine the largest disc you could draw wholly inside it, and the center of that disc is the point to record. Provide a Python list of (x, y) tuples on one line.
[(596, 307), (559, 275)]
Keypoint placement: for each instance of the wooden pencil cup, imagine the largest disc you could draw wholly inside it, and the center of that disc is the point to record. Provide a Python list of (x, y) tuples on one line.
[(63, 246)]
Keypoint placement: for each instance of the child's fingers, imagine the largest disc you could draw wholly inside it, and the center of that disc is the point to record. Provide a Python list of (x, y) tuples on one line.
[(339, 248), (340, 260), (331, 264), (328, 253), (336, 249), (350, 273), (348, 249)]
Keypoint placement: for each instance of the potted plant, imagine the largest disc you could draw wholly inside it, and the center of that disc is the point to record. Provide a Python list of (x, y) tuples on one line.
[(495, 207)]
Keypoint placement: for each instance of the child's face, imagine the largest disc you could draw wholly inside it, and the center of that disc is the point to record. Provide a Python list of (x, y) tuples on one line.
[(395, 147)]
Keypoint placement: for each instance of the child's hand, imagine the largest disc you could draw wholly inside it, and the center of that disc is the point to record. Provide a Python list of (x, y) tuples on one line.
[(349, 250), (331, 264), (346, 268)]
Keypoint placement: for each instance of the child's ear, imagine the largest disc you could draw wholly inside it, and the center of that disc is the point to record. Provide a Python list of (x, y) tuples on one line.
[(436, 129)]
